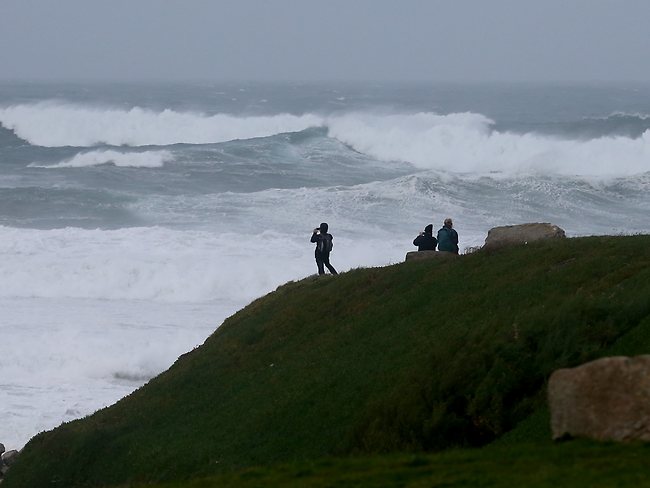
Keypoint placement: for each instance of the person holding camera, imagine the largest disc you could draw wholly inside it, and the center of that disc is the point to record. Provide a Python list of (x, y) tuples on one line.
[(425, 241), (324, 246)]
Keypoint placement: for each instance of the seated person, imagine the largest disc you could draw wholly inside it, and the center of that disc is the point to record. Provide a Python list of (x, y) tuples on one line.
[(425, 241), (448, 237)]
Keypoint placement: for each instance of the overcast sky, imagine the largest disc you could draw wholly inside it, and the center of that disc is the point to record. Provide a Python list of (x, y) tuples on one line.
[(453, 40)]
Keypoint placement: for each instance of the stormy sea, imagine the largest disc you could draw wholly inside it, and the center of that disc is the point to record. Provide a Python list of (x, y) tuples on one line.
[(134, 218)]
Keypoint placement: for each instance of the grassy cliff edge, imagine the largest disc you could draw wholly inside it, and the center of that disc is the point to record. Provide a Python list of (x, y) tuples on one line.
[(415, 357)]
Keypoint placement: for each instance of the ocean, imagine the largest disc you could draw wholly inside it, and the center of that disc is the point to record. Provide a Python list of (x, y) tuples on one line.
[(134, 218)]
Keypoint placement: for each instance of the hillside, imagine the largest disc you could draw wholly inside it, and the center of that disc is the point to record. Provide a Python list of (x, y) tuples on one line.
[(416, 356)]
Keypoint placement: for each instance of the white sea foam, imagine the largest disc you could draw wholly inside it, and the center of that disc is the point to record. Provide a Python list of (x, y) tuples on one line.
[(138, 264), (172, 266), (54, 124), (132, 159), (64, 358)]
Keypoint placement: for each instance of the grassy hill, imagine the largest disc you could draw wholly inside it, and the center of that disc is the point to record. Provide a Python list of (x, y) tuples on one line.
[(419, 356)]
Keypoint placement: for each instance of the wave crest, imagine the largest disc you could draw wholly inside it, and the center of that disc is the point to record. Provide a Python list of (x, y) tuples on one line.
[(52, 124), (146, 159), (456, 142), (467, 143)]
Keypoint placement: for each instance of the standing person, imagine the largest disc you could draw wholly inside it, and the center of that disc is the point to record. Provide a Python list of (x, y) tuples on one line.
[(324, 246), (448, 237), (425, 241)]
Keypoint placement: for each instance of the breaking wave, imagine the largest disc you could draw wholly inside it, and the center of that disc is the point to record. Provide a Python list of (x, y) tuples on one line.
[(52, 124), (146, 159), (638, 116), (466, 143), (456, 142)]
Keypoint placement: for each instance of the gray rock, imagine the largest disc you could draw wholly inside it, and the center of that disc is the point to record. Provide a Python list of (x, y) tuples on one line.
[(9, 457), (606, 399), (420, 255), (2, 448), (509, 235)]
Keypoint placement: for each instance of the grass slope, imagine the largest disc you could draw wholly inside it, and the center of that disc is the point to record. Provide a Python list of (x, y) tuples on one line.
[(577, 464), (417, 356)]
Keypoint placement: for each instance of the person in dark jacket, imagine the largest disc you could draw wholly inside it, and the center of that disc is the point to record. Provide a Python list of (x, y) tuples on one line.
[(324, 246), (425, 241), (448, 237)]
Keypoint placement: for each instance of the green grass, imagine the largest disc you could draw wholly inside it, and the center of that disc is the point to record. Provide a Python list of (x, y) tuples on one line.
[(576, 464), (420, 356)]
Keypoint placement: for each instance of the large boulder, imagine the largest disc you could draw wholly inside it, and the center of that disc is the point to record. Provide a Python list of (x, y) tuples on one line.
[(606, 399), (420, 255), (9, 457), (509, 235), (6, 460)]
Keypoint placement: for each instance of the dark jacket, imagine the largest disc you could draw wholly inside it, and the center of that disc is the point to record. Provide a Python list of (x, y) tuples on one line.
[(321, 242), (425, 242), (448, 240)]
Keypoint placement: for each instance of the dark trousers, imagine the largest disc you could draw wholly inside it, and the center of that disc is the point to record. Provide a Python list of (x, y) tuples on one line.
[(323, 259)]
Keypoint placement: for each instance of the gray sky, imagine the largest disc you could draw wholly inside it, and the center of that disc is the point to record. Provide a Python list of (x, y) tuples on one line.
[(453, 40)]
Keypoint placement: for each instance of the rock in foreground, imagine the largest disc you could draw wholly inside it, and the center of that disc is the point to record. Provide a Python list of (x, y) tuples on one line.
[(607, 399), (420, 255), (509, 235), (6, 459)]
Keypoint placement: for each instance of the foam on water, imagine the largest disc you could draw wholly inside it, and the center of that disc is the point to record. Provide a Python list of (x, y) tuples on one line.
[(131, 159), (85, 354), (140, 264)]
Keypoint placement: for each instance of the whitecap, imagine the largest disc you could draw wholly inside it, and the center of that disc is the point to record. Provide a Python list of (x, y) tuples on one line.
[(144, 159)]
